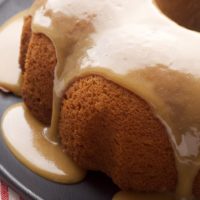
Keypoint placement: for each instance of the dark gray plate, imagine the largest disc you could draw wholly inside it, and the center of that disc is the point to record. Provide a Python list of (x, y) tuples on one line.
[(96, 186)]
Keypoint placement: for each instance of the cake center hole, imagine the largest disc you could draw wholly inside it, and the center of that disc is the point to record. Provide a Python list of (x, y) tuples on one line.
[(184, 12)]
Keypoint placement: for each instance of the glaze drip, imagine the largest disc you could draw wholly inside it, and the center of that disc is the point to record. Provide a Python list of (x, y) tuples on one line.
[(26, 137), (26, 140), (10, 73)]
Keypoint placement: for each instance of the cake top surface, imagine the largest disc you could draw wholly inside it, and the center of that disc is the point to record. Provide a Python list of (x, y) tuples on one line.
[(120, 25)]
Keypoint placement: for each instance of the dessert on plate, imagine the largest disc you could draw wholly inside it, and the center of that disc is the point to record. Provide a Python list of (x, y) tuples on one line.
[(117, 85)]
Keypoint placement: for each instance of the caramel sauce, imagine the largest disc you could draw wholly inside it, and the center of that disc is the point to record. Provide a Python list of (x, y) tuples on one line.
[(135, 45), (10, 35), (24, 136)]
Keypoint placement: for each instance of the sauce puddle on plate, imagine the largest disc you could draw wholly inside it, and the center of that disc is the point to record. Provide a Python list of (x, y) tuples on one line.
[(26, 139)]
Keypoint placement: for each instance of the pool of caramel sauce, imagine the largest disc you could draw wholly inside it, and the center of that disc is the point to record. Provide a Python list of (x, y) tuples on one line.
[(24, 136), (135, 45)]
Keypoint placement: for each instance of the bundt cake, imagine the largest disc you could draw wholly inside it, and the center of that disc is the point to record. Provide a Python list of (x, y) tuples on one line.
[(122, 79)]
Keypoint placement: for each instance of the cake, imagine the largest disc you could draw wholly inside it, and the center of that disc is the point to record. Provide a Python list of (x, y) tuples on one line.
[(105, 124)]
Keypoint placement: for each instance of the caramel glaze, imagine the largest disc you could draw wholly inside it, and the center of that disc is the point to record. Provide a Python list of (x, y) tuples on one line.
[(135, 45), (10, 72), (24, 136)]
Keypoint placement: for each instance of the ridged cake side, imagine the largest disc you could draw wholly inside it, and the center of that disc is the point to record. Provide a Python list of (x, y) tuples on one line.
[(38, 75)]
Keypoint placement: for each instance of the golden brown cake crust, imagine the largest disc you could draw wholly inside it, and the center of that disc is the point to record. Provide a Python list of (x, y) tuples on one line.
[(25, 39), (102, 125), (105, 127), (37, 86)]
